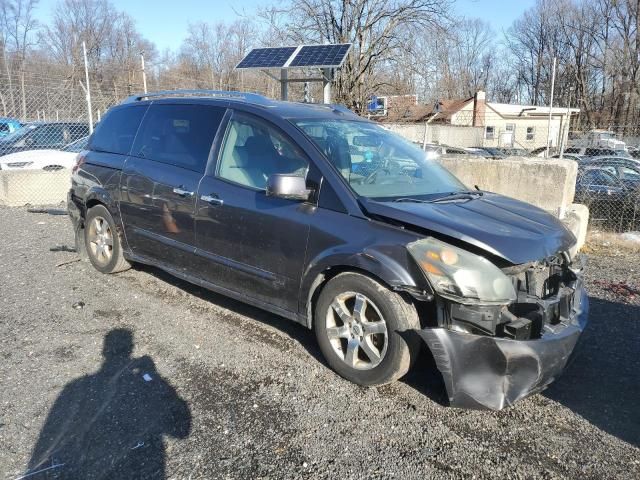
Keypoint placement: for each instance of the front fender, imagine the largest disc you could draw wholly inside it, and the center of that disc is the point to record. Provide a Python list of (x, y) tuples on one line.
[(390, 264)]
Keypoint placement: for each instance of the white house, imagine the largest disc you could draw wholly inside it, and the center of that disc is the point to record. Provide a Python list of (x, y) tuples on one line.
[(503, 124)]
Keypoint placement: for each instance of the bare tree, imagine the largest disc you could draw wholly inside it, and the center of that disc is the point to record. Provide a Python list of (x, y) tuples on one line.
[(18, 25), (376, 28)]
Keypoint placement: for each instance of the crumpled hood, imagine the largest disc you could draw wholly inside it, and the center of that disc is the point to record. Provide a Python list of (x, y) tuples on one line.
[(513, 230)]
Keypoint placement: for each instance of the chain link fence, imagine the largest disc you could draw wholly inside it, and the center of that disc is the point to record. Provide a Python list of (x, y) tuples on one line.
[(45, 122)]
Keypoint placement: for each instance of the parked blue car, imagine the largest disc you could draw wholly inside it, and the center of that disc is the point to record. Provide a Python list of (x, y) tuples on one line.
[(8, 125)]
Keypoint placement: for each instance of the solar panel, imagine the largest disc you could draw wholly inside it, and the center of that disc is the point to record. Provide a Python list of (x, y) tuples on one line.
[(267, 57), (321, 55)]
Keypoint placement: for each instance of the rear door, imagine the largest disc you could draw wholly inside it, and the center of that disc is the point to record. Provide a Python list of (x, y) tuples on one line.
[(161, 177), (248, 242)]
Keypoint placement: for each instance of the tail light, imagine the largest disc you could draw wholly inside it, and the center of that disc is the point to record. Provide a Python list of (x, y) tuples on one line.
[(80, 159)]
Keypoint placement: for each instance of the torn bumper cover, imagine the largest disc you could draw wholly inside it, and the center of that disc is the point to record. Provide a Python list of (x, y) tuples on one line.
[(485, 372)]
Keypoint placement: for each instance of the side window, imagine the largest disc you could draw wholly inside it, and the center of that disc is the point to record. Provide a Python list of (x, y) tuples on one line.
[(629, 174), (48, 135), (179, 135), (253, 150), (117, 129)]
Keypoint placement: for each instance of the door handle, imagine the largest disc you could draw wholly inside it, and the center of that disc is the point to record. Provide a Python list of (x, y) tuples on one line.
[(212, 199), (183, 193)]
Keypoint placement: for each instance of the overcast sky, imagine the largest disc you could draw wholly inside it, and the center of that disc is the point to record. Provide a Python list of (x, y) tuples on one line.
[(164, 22)]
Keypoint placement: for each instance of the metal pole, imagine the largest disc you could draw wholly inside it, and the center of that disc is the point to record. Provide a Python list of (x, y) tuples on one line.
[(565, 133), (284, 85), (553, 86), (88, 89), (326, 85), (144, 74)]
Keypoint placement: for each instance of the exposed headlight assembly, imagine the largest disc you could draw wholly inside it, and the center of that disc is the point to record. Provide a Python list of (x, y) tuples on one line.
[(461, 276)]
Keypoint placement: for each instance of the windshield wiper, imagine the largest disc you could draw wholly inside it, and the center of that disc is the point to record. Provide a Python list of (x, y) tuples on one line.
[(407, 199), (469, 195)]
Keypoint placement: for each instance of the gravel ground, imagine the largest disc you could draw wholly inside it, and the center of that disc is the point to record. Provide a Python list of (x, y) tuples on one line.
[(234, 392)]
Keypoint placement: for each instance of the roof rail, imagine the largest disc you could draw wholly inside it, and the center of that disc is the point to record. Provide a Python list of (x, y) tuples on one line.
[(249, 97)]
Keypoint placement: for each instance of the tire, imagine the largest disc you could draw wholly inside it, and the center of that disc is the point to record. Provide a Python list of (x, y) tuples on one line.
[(102, 241), (343, 336)]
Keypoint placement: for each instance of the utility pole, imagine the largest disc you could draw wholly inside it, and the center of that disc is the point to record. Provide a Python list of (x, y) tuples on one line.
[(87, 89), (144, 74), (565, 133), (553, 86)]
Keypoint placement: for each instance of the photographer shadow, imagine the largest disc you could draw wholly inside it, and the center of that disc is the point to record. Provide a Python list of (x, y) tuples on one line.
[(111, 424)]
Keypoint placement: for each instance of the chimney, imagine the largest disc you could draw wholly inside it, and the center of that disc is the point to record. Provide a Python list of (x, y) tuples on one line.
[(479, 108)]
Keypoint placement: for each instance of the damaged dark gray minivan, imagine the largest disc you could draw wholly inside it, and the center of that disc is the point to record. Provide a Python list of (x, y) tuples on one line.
[(320, 216)]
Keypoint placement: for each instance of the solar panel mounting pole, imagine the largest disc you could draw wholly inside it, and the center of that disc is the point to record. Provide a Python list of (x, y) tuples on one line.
[(327, 74), (284, 85)]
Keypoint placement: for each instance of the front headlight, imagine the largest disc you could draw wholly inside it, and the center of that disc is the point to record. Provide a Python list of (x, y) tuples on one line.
[(461, 276)]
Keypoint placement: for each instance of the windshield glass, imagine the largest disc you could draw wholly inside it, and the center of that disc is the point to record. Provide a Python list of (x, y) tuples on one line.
[(377, 163), (77, 146), (18, 134)]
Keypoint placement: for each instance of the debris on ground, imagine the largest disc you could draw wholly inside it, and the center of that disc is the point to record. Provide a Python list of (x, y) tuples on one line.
[(49, 211), (67, 262), (78, 305), (63, 248)]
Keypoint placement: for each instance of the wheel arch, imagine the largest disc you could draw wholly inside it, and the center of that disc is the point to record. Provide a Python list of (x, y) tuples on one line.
[(100, 196), (384, 272)]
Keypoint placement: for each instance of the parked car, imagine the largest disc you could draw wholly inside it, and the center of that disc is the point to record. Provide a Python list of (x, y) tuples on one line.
[(441, 149), (266, 202), (514, 152), (596, 152), (8, 125), (625, 170), (542, 151), (42, 135), (488, 152), (635, 152), (49, 160), (610, 200), (568, 156)]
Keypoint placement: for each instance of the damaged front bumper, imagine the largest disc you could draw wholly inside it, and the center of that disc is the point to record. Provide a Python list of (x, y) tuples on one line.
[(485, 372)]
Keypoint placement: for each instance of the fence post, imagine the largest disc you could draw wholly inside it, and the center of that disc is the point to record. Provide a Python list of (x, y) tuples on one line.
[(87, 89), (144, 74), (553, 86)]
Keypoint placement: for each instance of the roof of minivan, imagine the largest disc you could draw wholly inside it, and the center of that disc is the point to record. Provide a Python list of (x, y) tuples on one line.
[(281, 108)]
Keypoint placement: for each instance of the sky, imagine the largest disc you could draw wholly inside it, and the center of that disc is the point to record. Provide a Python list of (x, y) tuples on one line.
[(165, 22)]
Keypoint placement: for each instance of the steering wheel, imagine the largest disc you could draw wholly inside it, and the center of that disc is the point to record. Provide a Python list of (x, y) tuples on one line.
[(369, 179)]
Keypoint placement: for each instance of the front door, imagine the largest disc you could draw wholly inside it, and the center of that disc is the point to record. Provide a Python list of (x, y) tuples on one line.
[(251, 243), (160, 180)]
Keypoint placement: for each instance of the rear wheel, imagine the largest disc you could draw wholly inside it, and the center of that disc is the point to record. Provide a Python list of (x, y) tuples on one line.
[(364, 330), (102, 242)]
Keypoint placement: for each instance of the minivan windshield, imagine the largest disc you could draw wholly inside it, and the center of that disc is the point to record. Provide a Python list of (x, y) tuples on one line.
[(377, 163)]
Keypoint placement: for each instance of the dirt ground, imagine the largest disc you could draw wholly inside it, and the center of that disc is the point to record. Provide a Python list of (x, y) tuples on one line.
[(144, 375)]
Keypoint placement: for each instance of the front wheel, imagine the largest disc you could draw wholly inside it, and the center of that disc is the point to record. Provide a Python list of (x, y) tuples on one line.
[(102, 241), (365, 330)]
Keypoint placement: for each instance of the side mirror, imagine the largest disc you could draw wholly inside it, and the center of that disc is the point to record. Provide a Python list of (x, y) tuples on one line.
[(292, 187)]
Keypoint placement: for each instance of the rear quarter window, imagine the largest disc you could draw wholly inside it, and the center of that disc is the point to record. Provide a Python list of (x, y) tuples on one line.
[(179, 135), (117, 129)]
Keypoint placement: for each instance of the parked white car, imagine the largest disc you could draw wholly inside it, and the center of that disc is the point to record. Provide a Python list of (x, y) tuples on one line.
[(49, 160)]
